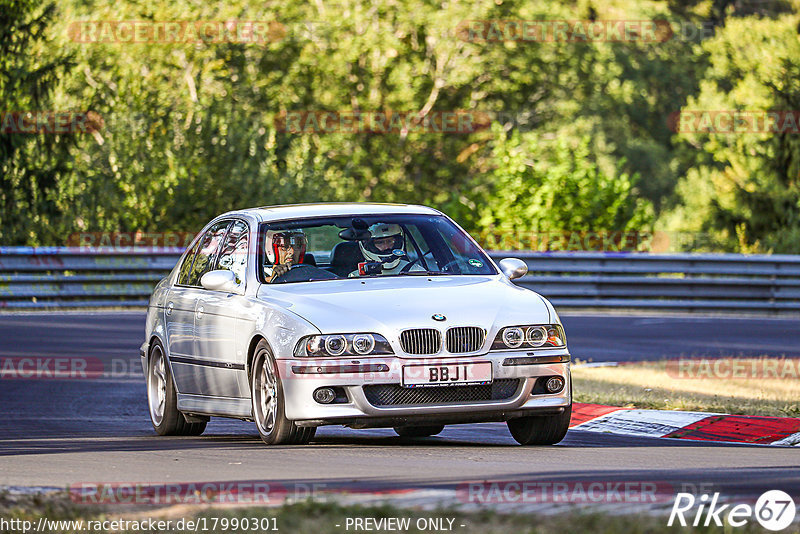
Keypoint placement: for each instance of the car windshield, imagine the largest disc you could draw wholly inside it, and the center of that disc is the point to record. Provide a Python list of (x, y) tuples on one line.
[(308, 250)]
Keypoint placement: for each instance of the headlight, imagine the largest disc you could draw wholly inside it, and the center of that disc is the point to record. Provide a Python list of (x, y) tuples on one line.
[(536, 336), (513, 337), (343, 345), (335, 345), (530, 336), (363, 343)]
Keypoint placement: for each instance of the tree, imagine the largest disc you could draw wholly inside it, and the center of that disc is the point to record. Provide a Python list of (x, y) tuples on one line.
[(744, 187), (556, 186), (30, 163)]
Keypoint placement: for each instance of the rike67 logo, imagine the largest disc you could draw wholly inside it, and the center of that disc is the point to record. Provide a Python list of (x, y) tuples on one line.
[(774, 510)]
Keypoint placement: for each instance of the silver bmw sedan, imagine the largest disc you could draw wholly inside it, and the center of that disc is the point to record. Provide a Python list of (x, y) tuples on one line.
[(363, 315)]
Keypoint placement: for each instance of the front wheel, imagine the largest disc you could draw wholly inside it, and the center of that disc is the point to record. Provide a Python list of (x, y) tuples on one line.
[(540, 430), (269, 414), (162, 398), (418, 431)]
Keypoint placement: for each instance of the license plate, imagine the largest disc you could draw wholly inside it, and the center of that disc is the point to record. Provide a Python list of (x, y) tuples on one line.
[(447, 374)]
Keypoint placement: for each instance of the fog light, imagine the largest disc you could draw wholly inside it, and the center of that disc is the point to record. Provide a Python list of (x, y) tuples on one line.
[(554, 384), (325, 395)]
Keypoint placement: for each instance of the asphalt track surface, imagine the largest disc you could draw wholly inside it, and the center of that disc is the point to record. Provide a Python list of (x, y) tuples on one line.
[(59, 432)]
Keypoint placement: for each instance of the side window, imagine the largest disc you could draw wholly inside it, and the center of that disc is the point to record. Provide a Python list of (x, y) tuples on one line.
[(186, 266), (207, 253), (233, 256)]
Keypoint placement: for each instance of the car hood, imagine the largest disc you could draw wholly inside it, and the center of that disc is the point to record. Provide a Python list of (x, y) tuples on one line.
[(390, 305)]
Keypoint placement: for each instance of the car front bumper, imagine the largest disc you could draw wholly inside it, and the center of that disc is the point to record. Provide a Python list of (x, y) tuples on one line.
[(300, 378)]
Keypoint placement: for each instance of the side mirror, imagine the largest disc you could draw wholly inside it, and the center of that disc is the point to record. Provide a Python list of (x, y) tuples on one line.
[(221, 280), (513, 268)]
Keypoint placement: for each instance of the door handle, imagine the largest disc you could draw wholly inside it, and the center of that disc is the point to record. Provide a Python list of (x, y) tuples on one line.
[(200, 311), (170, 307)]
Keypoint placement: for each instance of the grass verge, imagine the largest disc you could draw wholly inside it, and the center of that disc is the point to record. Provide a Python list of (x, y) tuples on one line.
[(705, 386)]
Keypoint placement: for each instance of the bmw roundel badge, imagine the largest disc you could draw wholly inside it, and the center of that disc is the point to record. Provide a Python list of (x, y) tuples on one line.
[(439, 317)]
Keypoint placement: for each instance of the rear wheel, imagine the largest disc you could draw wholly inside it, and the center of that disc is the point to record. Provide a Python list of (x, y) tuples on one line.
[(163, 399), (269, 414), (540, 430), (418, 431)]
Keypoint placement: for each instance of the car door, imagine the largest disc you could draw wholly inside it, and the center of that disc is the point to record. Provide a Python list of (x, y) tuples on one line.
[(216, 317), (182, 308), (179, 321)]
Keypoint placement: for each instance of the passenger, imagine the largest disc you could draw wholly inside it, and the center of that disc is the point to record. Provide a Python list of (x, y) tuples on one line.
[(284, 249)]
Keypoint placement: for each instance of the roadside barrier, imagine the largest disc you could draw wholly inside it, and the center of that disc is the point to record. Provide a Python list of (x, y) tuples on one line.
[(74, 277), (685, 282)]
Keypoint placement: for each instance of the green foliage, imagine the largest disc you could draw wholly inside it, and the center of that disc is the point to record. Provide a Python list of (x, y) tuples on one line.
[(556, 186), (191, 128), (30, 165), (745, 188), (580, 140)]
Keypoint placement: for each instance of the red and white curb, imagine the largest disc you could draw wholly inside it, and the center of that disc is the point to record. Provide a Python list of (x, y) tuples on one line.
[(701, 426)]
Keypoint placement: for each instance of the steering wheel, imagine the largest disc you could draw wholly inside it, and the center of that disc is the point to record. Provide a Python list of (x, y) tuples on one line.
[(408, 265), (293, 270)]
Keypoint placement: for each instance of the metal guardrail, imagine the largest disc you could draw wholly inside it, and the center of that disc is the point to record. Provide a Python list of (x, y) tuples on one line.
[(681, 282), (62, 277), (73, 277)]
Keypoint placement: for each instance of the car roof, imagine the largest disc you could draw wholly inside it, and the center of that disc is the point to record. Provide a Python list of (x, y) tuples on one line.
[(330, 209)]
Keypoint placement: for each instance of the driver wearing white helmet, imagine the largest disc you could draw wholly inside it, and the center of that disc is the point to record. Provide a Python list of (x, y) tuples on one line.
[(284, 248), (386, 246)]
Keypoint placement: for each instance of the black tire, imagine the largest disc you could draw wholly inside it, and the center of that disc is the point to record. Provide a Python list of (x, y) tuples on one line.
[(418, 431), (540, 430), (267, 398), (171, 422), (305, 435)]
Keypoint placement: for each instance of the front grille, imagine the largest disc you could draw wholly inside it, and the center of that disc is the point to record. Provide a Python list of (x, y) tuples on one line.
[(396, 395), (421, 341), (461, 339)]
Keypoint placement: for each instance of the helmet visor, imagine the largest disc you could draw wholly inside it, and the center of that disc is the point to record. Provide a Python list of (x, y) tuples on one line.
[(383, 246), (289, 240)]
